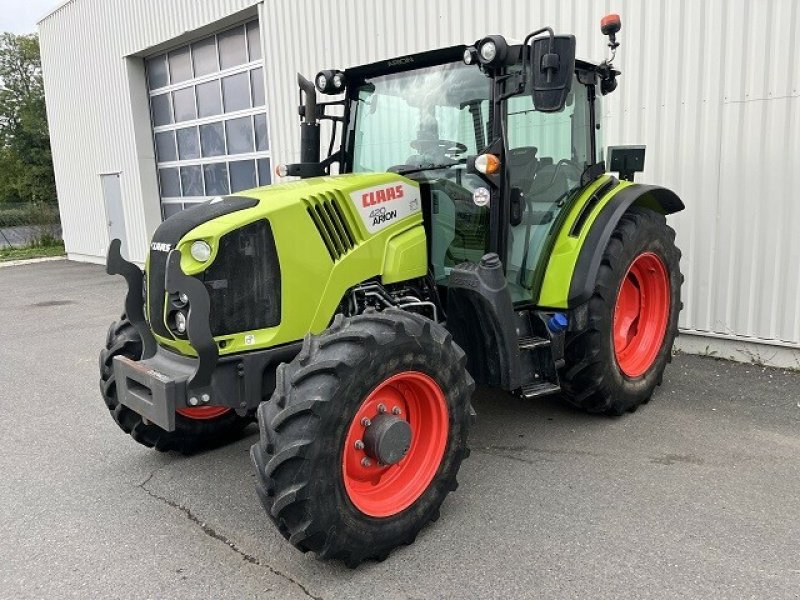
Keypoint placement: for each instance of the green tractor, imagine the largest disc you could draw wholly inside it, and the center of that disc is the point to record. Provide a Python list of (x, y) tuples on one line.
[(470, 233)]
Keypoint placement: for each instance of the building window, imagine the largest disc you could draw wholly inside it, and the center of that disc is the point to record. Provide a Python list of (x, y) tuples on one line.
[(209, 118)]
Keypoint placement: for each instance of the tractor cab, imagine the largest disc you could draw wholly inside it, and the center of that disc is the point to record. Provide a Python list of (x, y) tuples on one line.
[(499, 152)]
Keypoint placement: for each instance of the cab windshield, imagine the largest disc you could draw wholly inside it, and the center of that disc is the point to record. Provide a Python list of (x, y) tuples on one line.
[(432, 117)]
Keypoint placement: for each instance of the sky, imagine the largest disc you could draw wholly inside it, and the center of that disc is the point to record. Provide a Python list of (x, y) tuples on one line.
[(20, 16)]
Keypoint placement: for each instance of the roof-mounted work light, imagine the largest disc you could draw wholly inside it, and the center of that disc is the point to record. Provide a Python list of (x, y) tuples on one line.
[(492, 50), (330, 81)]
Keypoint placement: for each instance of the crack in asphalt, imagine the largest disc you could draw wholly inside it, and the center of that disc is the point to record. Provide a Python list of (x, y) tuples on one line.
[(512, 453), (212, 533)]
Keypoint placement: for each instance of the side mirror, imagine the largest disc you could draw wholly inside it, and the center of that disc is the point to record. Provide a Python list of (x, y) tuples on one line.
[(552, 67)]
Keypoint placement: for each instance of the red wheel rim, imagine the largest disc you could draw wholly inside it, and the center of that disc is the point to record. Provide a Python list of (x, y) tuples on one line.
[(641, 314), (202, 413), (385, 490)]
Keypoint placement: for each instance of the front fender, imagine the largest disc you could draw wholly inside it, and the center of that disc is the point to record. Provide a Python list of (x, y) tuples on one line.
[(573, 266)]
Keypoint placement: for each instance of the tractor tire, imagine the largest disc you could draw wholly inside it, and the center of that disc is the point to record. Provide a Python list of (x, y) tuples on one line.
[(324, 480), (195, 429), (615, 363)]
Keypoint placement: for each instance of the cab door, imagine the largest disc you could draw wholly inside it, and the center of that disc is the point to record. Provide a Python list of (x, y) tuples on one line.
[(459, 217), (547, 153)]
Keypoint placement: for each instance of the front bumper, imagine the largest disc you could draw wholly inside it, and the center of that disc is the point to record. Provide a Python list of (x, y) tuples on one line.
[(163, 381), (157, 386)]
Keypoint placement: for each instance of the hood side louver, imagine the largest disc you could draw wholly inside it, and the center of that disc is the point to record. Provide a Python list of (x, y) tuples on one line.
[(329, 219)]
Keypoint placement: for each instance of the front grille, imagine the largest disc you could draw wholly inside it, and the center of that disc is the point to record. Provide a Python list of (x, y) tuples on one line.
[(167, 236), (244, 281), (333, 228)]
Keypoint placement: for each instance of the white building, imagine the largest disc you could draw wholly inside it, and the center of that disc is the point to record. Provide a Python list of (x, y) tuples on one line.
[(157, 103)]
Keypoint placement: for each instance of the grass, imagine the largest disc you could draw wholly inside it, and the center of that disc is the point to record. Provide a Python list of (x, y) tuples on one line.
[(39, 251)]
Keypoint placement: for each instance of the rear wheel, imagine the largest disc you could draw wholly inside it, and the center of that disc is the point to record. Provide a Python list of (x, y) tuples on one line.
[(615, 364), (364, 435), (195, 427)]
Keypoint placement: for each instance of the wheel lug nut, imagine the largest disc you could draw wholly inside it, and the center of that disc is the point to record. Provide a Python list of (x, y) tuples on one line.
[(381, 408), (359, 445), (366, 422), (396, 410), (365, 462)]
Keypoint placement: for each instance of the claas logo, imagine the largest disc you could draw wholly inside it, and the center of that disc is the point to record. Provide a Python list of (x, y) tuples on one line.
[(383, 195)]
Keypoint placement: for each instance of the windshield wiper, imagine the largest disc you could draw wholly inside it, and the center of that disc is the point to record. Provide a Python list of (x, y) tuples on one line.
[(461, 161)]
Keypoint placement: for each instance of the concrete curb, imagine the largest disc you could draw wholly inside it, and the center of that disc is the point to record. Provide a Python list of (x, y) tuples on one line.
[(30, 261)]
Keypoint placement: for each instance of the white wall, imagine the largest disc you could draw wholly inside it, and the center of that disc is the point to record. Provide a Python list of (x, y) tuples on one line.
[(98, 110), (712, 88)]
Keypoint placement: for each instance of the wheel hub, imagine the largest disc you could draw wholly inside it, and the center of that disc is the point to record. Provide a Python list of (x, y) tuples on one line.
[(641, 314), (395, 444), (387, 439)]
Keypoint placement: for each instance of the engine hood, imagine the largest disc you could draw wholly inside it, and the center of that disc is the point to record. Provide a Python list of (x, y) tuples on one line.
[(330, 233)]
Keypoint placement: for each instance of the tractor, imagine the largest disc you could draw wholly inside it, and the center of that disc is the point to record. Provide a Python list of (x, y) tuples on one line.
[(465, 227)]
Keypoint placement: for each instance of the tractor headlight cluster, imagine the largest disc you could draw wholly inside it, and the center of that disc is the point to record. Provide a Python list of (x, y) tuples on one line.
[(177, 313), (330, 82), (492, 50), (180, 322)]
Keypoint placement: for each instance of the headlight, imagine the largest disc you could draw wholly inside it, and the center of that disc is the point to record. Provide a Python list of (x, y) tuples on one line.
[(338, 81), (180, 322), (322, 82), (200, 251)]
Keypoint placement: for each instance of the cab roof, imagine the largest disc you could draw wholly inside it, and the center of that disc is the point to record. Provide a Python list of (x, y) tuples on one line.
[(429, 58)]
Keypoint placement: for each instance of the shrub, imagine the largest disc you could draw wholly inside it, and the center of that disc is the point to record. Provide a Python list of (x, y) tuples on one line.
[(13, 215)]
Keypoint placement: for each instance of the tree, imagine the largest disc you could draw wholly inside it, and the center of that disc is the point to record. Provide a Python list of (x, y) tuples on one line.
[(25, 158)]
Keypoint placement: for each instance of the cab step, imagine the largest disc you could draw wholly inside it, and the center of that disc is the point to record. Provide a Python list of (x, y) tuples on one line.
[(533, 342), (535, 390)]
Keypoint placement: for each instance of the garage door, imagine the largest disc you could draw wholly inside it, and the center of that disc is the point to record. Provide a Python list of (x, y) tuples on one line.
[(209, 117)]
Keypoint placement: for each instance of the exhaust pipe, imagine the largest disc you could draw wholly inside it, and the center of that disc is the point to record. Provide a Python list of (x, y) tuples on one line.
[(309, 128)]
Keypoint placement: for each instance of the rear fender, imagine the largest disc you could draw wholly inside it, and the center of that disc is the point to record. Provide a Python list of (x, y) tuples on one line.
[(574, 264)]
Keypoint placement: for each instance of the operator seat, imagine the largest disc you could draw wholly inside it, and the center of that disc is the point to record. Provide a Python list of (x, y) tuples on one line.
[(549, 183)]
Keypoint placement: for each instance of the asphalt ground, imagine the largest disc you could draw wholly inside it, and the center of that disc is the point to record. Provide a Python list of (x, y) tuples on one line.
[(697, 494)]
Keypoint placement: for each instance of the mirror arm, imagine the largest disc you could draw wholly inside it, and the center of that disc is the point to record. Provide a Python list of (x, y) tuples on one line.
[(524, 75)]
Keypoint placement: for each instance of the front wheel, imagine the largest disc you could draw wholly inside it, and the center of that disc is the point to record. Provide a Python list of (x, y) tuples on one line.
[(364, 435), (615, 364), (195, 427)]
